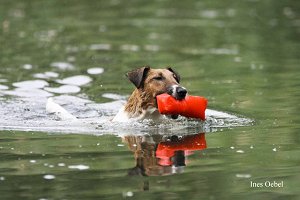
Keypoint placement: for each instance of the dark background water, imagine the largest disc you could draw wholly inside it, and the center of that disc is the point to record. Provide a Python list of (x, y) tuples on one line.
[(242, 55)]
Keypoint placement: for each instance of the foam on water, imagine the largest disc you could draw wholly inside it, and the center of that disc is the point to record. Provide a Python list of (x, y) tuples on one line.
[(114, 96), (27, 66), (46, 75), (64, 89), (95, 70), (31, 84), (27, 92), (3, 87), (92, 118), (78, 80), (62, 65), (52, 107)]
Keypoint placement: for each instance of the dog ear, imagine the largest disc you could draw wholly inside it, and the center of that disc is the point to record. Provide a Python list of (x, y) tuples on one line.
[(177, 76), (138, 76)]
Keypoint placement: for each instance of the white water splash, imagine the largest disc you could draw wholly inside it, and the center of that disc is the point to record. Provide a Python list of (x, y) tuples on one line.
[(52, 107)]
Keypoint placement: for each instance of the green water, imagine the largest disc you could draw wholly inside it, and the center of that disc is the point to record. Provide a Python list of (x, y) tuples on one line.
[(242, 55)]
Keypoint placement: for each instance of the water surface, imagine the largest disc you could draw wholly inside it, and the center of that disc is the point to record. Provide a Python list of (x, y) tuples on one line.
[(242, 56)]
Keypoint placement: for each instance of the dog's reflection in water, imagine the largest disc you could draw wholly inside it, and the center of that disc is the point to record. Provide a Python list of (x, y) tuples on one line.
[(159, 155)]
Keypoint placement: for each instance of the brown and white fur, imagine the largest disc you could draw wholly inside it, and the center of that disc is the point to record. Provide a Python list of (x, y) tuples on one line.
[(149, 83)]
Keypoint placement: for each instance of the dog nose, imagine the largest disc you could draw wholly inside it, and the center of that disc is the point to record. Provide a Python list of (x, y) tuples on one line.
[(181, 92)]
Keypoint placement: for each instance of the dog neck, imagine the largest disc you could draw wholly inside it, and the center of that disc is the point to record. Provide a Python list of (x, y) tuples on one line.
[(140, 102)]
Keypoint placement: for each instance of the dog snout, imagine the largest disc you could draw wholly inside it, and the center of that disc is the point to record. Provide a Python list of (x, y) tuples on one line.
[(177, 92), (170, 90), (181, 92)]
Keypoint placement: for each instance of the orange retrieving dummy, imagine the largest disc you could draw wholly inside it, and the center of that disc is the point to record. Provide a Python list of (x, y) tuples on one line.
[(191, 106)]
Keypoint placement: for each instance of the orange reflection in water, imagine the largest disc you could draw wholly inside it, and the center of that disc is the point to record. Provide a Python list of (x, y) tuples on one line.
[(159, 155)]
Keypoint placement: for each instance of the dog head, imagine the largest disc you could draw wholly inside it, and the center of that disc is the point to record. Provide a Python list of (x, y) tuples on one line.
[(157, 81)]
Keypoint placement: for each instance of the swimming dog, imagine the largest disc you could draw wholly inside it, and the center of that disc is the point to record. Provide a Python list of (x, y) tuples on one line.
[(149, 83)]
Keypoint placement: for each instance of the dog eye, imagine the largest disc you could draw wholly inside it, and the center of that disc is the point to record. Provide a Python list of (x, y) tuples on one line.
[(158, 78)]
